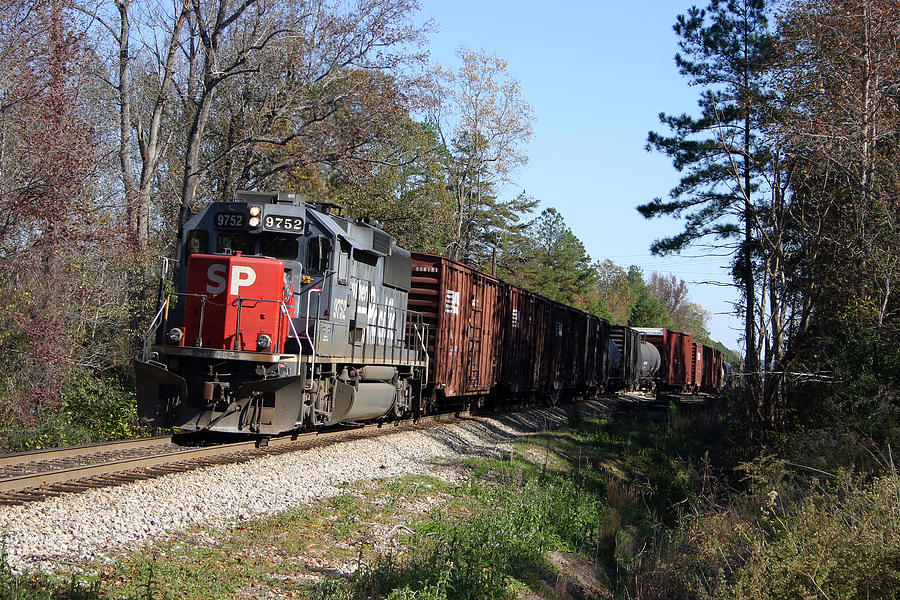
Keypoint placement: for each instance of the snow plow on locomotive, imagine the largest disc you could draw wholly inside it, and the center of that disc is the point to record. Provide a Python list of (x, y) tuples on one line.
[(286, 316)]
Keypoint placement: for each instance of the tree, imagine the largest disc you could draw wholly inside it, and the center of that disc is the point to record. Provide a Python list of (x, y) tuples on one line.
[(686, 316), (60, 289), (614, 290), (406, 193), (146, 130), (837, 84), (260, 89), (550, 260), (646, 310), (727, 49), (483, 123)]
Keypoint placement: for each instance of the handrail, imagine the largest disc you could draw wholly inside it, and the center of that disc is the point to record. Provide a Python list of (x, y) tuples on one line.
[(240, 302), (422, 333), (316, 287), (296, 336), (145, 354), (161, 321), (312, 346)]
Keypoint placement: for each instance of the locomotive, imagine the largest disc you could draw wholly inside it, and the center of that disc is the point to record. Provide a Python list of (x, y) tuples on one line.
[(287, 315)]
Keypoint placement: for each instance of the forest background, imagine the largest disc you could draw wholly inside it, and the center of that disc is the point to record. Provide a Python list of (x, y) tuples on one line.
[(120, 119)]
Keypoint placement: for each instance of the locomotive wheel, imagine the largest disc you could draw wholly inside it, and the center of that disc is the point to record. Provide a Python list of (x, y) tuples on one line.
[(398, 411)]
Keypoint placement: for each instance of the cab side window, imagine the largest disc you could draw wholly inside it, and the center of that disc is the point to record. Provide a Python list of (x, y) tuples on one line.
[(343, 266), (318, 255)]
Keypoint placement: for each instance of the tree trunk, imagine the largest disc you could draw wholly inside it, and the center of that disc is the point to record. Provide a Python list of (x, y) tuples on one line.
[(133, 211), (751, 359)]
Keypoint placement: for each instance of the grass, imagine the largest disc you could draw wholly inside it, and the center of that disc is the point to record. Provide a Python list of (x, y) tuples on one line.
[(620, 507)]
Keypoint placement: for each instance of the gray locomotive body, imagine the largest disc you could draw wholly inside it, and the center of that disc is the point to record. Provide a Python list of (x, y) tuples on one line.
[(285, 315)]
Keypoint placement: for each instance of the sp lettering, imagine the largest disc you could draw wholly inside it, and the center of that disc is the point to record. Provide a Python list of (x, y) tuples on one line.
[(240, 276)]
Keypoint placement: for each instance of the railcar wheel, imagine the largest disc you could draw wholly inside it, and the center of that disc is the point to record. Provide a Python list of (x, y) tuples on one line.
[(398, 411)]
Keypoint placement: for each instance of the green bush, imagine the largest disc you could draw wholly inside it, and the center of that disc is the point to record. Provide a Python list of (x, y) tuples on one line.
[(840, 542), (792, 532), (95, 407), (100, 407)]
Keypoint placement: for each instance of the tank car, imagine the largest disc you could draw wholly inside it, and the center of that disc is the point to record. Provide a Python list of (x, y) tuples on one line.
[(650, 362), (283, 315), (677, 358)]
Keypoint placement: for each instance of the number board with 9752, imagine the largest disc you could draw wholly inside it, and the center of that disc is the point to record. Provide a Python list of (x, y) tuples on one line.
[(283, 223), (230, 220)]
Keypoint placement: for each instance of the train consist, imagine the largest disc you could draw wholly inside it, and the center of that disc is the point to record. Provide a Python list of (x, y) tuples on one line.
[(287, 315)]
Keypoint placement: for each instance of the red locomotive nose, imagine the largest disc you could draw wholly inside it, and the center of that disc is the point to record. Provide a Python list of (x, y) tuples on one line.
[(243, 303)]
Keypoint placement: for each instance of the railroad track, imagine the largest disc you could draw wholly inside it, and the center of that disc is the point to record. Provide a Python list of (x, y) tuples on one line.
[(652, 402), (36, 475)]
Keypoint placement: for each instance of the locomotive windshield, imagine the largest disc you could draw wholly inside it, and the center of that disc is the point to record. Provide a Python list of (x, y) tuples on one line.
[(235, 242), (272, 245), (198, 242), (276, 245)]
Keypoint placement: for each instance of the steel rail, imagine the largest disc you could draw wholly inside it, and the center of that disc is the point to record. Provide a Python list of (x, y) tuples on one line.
[(35, 481), (82, 450)]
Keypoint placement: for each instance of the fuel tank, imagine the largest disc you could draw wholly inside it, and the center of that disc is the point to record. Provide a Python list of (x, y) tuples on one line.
[(369, 393)]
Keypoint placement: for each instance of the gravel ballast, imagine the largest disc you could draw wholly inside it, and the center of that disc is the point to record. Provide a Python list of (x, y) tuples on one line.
[(67, 530)]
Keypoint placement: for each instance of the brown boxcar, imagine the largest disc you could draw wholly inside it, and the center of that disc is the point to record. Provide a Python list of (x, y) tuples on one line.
[(596, 355), (576, 343), (696, 366), (464, 309), (718, 370), (713, 368), (550, 348), (623, 375), (675, 351), (525, 327), (563, 346)]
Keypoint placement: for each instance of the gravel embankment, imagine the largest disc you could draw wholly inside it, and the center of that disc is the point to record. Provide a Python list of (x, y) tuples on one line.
[(97, 524)]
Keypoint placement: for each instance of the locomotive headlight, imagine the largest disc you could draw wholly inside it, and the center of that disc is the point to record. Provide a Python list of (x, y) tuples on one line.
[(175, 335), (255, 210), (263, 342), (254, 221)]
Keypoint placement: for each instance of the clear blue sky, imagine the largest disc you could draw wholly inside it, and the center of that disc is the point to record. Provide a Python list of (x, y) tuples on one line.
[(597, 74)]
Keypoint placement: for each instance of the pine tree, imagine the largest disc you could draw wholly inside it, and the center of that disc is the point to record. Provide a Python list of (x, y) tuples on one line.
[(647, 310), (550, 260), (726, 49)]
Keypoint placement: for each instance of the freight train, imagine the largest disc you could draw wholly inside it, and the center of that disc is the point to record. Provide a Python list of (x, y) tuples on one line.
[(283, 314)]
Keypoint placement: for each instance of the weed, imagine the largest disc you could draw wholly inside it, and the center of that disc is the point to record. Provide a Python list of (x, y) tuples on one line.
[(41, 586)]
